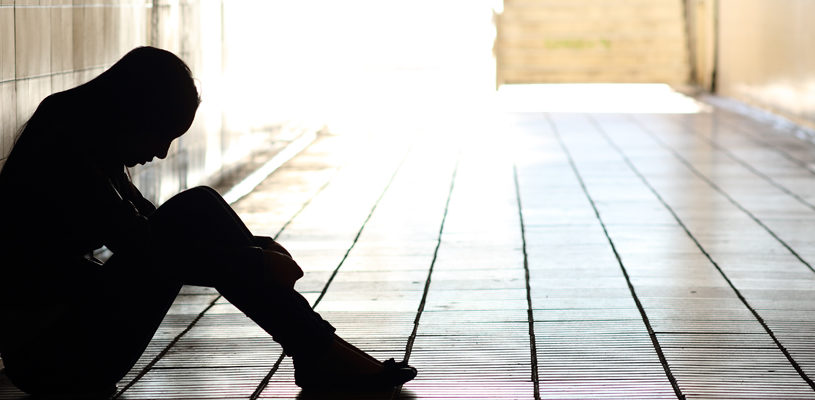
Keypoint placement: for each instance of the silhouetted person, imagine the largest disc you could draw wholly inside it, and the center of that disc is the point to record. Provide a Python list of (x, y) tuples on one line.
[(72, 325)]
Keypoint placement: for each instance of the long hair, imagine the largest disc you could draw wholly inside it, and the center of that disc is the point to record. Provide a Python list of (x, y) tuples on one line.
[(149, 87)]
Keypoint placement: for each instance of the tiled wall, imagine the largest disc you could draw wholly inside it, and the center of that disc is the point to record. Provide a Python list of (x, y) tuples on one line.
[(52, 45)]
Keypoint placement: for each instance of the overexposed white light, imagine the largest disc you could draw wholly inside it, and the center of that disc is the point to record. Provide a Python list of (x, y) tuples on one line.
[(357, 65), (597, 98)]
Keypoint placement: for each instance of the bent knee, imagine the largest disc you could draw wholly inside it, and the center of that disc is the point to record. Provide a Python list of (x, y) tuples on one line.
[(193, 214), (196, 193), (199, 195)]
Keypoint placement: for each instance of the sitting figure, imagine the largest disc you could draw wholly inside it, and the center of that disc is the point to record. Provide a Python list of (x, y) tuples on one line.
[(73, 326)]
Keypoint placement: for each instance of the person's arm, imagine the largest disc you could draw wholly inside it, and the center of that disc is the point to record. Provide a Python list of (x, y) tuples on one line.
[(279, 266), (133, 233), (265, 242), (126, 227), (93, 209), (282, 269), (130, 192)]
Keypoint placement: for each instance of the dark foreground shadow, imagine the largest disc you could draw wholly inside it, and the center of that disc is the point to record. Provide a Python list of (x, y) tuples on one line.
[(9, 391), (405, 394)]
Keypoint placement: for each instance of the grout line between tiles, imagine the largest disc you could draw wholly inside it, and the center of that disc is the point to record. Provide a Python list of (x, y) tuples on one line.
[(738, 293), (55, 73), (756, 172), (722, 192), (359, 232), (165, 350), (81, 5), (423, 301), (643, 314), (533, 347), (265, 381), (296, 214), (781, 152)]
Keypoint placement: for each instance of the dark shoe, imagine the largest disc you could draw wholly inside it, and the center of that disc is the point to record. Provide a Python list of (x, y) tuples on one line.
[(393, 374)]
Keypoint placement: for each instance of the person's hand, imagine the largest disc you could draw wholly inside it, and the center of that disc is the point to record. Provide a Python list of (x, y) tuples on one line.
[(267, 243), (281, 268)]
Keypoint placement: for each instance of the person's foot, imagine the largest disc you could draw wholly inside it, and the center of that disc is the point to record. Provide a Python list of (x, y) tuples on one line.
[(345, 367), (390, 375)]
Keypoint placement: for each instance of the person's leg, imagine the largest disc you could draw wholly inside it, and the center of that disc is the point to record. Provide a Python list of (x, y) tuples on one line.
[(207, 222), (101, 334), (203, 218), (97, 333), (201, 227)]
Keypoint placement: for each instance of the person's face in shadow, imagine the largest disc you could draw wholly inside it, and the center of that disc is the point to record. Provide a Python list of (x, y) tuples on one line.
[(138, 107), (146, 146), (141, 143)]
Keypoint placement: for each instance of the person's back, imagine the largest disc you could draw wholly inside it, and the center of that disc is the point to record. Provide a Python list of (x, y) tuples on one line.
[(42, 251)]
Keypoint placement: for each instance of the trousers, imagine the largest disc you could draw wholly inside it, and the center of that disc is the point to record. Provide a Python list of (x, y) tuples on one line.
[(98, 335)]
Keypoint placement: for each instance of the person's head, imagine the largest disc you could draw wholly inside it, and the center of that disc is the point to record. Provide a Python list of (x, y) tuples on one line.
[(149, 99)]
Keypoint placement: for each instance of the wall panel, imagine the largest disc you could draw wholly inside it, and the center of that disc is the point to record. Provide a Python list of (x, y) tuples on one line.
[(7, 63), (767, 55), (62, 40), (8, 116), (32, 34)]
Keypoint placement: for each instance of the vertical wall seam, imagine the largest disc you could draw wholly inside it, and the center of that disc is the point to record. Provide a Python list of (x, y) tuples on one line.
[(15, 95), (154, 39), (690, 48)]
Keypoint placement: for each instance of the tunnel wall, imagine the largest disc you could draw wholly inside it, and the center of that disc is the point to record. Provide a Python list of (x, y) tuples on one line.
[(766, 55), (556, 41), (48, 46)]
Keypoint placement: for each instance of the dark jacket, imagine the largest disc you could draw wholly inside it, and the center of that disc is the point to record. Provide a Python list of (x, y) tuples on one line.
[(58, 203)]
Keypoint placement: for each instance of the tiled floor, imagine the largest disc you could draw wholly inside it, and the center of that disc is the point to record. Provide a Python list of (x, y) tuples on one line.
[(561, 255)]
